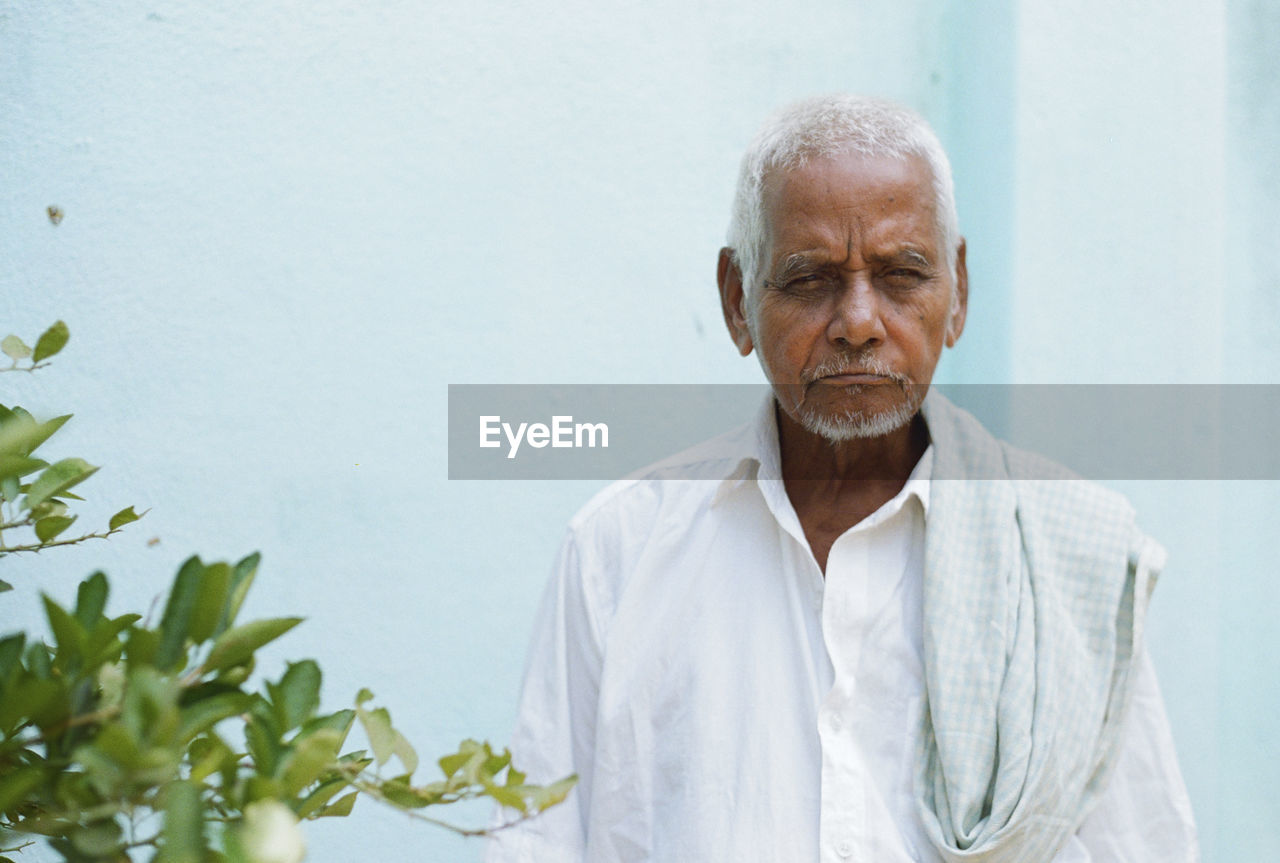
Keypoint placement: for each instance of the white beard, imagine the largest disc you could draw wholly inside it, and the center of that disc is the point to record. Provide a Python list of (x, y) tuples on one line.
[(854, 425)]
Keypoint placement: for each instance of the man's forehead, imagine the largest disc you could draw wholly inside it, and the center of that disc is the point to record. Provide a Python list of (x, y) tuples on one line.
[(890, 198), (908, 170)]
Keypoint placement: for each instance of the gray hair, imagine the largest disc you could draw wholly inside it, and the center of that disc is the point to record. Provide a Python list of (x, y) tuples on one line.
[(828, 126)]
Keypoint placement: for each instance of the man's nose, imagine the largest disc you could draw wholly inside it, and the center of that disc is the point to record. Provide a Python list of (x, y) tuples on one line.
[(855, 319)]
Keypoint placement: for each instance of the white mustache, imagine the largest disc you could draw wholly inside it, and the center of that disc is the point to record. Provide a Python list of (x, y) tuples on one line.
[(854, 364)]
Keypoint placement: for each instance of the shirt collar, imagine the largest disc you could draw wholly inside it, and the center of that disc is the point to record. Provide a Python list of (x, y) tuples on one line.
[(759, 458)]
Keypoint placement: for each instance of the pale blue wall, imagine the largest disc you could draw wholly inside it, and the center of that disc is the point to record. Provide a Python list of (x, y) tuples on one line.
[(290, 225), (1247, 729), (1144, 226)]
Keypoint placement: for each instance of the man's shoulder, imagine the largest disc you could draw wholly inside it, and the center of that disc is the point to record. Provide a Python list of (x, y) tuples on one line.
[(1077, 519), (1041, 480), (648, 516), (1037, 479), (687, 480), (1073, 516)]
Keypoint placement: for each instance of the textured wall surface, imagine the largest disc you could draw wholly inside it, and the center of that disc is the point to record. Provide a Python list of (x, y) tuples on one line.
[(289, 226), (1247, 725), (1119, 278)]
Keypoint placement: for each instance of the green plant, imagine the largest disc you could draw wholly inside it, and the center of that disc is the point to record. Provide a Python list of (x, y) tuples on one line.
[(119, 735), (39, 505)]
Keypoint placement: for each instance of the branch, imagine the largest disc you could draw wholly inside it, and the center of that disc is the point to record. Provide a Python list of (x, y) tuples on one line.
[(42, 823), (43, 545), (74, 722), (371, 788)]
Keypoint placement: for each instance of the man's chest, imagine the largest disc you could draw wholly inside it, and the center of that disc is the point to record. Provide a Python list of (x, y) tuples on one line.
[(736, 681)]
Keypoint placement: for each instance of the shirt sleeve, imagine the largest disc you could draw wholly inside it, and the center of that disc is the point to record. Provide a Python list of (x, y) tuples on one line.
[(1144, 813), (555, 731)]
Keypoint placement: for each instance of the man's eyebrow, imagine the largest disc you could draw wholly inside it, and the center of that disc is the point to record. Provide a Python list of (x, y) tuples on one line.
[(908, 255), (793, 265)]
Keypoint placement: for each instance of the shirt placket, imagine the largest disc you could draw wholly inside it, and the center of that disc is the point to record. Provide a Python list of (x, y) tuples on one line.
[(844, 811)]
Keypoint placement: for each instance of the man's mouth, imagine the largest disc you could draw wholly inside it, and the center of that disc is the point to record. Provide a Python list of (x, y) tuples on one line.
[(851, 371), (845, 379)]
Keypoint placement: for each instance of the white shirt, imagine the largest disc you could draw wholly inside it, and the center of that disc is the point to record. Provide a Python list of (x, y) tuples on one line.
[(721, 701)]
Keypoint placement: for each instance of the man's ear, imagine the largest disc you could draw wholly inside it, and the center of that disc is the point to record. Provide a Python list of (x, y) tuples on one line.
[(733, 301), (959, 299)]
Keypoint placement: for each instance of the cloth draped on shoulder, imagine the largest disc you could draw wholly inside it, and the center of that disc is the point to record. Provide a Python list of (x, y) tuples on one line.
[(1036, 584)]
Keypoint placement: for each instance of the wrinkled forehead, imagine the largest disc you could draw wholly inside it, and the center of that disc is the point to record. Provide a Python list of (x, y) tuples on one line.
[(872, 186)]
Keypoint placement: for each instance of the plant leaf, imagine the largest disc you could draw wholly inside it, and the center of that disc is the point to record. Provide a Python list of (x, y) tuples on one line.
[(18, 466), (57, 478), (182, 838), (340, 807), (204, 714), (41, 432), (468, 750), (550, 795), (20, 434), (508, 796), (123, 517), (103, 645), (241, 580), (51, 341), (312, 757), (213, 756), (32, 699), (97, 840), (399, 792), (297, 696), (38, 661), (211, 598), (340, 721), (405, 752), (140, 647), (176, 621), (323, 793), (236, 645), (67, 631), (10, 652), (263, 745), (15, 348), (377, 725), (16, 785), (91, 599), (48, 528)]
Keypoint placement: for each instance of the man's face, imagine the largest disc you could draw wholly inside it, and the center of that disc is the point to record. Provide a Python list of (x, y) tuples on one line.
[(856, 300)]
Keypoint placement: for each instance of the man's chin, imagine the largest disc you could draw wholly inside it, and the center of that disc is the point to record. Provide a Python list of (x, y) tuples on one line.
[(840, 427)]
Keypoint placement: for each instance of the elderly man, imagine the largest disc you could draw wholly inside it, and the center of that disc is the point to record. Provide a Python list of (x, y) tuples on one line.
[(871, 632)]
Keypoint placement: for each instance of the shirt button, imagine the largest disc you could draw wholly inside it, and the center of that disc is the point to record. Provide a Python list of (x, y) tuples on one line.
[(844, 849), (835, 722)]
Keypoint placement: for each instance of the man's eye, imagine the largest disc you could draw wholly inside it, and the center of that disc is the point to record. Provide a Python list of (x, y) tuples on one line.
[(903, 277), (808, 283)]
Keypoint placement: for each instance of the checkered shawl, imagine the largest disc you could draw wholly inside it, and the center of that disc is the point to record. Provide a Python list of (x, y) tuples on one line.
[(1035, 588)]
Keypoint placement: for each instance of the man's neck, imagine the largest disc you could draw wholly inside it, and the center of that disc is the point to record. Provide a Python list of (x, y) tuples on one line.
[(888, 458), (834, 485)]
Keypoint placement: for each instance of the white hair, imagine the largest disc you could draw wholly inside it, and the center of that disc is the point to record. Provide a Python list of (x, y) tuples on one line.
[(829, 126)]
